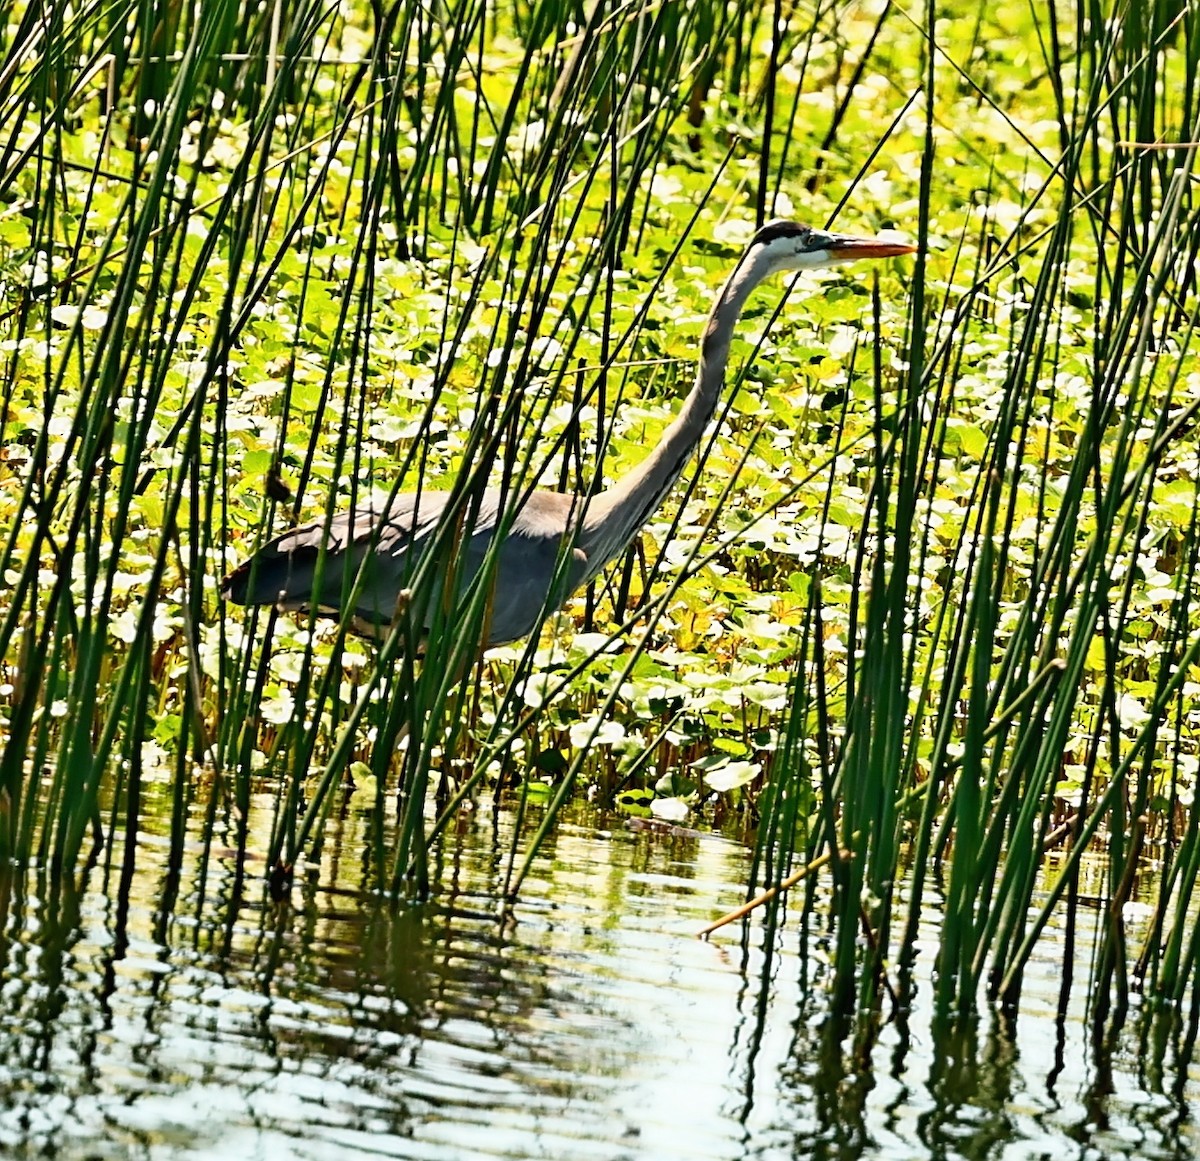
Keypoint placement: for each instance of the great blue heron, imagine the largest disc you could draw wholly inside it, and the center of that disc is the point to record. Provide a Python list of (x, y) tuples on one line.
[(554, 542)]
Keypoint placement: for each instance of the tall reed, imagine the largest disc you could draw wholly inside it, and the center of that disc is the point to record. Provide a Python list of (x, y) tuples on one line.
[(1018, 692), (264, 263)]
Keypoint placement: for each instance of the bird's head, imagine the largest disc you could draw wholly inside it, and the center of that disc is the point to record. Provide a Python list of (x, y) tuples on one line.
[(789, 246)]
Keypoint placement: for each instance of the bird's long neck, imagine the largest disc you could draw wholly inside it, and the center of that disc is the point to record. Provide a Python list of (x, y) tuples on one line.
[(614, 516)]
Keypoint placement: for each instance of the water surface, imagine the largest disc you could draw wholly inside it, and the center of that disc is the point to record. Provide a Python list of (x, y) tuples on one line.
[(191, 1022)]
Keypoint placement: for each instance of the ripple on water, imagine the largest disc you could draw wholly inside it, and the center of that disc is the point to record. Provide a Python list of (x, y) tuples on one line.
[(594, 1026)]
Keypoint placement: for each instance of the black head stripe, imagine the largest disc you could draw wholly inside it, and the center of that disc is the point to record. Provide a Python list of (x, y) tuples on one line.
[(773, 231)]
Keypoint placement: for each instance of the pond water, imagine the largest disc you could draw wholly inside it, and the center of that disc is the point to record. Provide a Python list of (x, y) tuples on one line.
[(178, 1020)]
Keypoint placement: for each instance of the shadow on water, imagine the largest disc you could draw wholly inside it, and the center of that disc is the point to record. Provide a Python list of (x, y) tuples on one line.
[(150, 1015)]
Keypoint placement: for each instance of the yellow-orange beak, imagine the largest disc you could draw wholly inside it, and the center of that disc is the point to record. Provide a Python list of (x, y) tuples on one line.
[(846, 247)]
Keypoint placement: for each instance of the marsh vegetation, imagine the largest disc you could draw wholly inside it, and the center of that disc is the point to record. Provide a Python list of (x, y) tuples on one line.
[(921, 615)]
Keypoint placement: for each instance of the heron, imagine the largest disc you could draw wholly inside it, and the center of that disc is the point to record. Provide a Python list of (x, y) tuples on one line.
[(554, 542)]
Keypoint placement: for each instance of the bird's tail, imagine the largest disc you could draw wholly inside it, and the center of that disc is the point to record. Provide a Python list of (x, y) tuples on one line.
[(267, 578)]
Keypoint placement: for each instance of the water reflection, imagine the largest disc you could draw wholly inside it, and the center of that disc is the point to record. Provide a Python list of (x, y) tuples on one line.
[(151, 1015)]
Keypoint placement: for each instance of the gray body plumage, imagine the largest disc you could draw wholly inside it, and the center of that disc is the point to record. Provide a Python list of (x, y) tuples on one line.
[(392, 542), (554, 543)]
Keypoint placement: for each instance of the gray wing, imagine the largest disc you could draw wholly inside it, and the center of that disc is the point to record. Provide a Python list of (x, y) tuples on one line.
[(390, 544)]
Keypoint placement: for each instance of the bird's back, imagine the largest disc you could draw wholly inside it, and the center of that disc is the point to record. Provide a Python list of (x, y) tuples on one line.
[(388, 545)]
